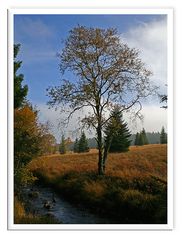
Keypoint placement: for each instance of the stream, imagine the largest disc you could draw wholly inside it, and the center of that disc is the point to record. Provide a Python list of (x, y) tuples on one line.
[(44, 200)]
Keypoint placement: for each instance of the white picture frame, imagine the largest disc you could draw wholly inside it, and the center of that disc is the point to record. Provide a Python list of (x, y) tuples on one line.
[(11, 225)]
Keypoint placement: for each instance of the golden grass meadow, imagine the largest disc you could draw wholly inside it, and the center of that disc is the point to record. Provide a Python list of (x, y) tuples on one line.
[(133, 190), (140, 161)]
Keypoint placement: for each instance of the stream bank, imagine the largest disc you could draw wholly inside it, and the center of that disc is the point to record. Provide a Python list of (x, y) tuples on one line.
[(43, 200)]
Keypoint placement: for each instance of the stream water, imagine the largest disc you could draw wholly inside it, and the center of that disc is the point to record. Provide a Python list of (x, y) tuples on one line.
[(43, 200)]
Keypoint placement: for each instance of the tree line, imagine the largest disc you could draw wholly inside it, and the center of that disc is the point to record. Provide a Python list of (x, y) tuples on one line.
[(121, 142), (141, 137), (80, 145), (116, 139)]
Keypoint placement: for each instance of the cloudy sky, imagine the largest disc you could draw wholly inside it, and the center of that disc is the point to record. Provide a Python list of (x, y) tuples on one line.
[(41, 38)]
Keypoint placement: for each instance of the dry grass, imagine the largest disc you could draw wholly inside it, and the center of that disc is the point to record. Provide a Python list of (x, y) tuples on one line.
[(134, 189), (21, 217), (19, 210), (138, 162)]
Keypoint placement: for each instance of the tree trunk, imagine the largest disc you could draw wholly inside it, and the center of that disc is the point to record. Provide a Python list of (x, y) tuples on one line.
[(100, 147), (100, 163), (106, 151), (105, 158)]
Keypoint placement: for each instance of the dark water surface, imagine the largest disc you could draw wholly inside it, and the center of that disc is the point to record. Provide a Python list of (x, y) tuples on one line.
[(62, 210)]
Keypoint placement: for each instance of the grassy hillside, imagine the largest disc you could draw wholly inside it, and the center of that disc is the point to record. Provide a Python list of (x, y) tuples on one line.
[(134, 189)]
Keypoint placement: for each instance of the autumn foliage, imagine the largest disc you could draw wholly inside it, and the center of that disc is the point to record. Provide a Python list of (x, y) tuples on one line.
[(26, 135)]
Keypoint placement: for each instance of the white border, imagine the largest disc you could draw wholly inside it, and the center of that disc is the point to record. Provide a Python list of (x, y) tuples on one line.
[(11, 225)]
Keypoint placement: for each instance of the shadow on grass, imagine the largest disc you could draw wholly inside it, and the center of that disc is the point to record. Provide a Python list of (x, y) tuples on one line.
[(136, 201), (21, 216)]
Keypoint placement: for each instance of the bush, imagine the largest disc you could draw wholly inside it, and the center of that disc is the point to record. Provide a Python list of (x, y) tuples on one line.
[(23, 177)]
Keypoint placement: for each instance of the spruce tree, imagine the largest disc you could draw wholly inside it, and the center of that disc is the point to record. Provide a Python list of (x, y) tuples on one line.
[(75, 149), (141, 140), (117, 133), (20, 92), (137, 139), (145, 139), (83, 144), (62, 146), (163, 136)]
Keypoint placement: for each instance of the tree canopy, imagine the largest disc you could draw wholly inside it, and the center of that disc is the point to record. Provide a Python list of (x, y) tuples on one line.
[(20, 92), (107, 72), (27, 136)]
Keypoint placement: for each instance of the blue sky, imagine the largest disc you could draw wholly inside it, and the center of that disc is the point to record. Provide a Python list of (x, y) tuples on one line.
[(41, 38)]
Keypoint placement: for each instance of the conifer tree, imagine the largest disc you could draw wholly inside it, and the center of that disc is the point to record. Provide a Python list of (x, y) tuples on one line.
[(83, 144), (75, 149), (62, 146), (137, 139), (20, 91), (163, 136), (145, 140), (117, 133), (141, 140)]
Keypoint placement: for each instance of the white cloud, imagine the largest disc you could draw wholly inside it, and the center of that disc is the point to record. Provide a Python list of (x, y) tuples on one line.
[(154, 118), (151, 39), (55, 118)]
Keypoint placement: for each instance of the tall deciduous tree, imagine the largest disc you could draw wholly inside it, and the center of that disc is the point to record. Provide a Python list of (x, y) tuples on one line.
[(31, 139), (107, 72), (20, 92), (27, 136), (47, 141)]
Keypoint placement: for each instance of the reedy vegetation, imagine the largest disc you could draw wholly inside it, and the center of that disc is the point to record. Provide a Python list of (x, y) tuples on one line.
[(21, 216), (134, 189)]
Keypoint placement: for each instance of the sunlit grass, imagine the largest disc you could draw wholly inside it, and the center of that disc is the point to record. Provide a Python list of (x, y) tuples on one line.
[(138, 162), (133, 190)]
